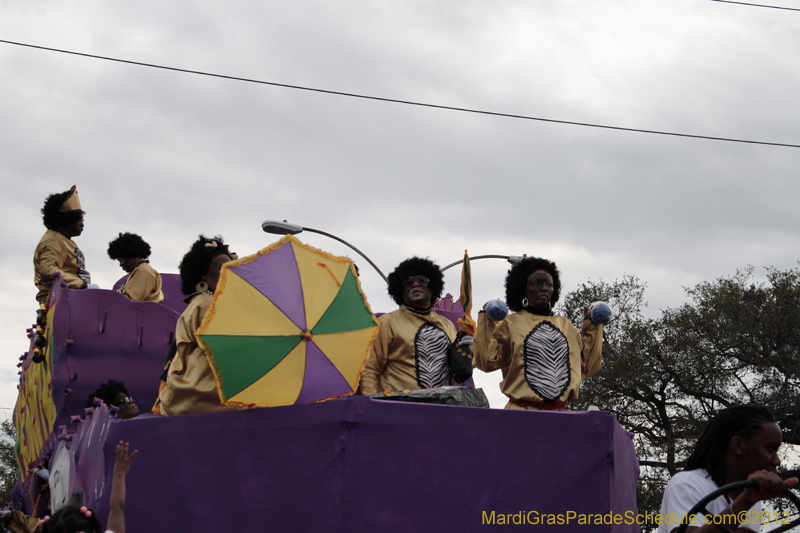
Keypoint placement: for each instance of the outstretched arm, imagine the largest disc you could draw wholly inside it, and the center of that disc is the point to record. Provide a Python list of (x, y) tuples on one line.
[(116, 503), (592, 349), (492, 348)]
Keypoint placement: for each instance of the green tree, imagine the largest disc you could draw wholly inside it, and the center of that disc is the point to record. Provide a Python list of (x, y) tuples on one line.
[(735, 341), (8, 460)]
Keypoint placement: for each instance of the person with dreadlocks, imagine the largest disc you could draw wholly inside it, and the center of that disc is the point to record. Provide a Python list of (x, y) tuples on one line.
[(739, 443), (143, 283), (411, 349), (79, 518), (542, 355), (56, 251), (114, 393), (190, 386)]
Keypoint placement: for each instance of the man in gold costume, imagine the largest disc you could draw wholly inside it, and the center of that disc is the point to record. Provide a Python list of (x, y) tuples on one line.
[(143, 283), (411, 350), (542, 355), (56, 251)]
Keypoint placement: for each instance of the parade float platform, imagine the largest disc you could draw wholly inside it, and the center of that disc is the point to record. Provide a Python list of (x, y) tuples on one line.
[(352, 464), (361, 465)]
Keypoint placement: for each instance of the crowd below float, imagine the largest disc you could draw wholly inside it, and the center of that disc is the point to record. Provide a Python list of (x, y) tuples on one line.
[(542, 357)]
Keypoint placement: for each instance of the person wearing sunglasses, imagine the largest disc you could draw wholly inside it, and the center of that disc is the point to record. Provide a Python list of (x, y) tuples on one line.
[(411, 350)]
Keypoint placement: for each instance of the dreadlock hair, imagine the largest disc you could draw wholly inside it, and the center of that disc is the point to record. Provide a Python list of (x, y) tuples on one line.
[(712, 446), (128, 245), (517, 281), (53, 217), (196, 262), (107, 392), (70, 519), (416, 266)]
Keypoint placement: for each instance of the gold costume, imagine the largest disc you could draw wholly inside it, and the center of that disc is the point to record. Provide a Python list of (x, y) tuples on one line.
[(22, 523), (393, 363), (543, 358), (143, 285), (190, 386), (56, 253)]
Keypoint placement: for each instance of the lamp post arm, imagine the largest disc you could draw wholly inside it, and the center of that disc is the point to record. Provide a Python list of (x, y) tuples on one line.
[(334, 237), (506, 257)]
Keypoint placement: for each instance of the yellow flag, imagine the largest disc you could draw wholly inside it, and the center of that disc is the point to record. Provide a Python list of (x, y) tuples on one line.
[(467, 325)]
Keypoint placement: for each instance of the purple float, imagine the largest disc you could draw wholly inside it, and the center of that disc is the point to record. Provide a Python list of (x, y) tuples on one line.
[(352, 464)]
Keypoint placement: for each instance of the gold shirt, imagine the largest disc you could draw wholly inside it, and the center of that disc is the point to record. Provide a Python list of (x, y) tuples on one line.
[(22, 523), (143, 285), (392, 362), (190, 387), (55, 253), (502, 345)]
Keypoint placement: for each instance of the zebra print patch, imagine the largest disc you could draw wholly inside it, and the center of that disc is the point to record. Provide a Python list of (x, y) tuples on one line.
[(431, 351), (546, 355)]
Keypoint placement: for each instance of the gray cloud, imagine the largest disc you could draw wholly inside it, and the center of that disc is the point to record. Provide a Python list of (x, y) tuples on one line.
[(171, 155)]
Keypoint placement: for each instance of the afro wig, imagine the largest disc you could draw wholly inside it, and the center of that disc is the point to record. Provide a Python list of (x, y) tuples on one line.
[(517, 281), (54, 217), (128, 246), (196, 262), (107, 392), (70, 519), (416, 266)]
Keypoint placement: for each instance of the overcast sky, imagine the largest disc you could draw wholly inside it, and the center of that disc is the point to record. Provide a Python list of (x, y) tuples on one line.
[(170, 155)]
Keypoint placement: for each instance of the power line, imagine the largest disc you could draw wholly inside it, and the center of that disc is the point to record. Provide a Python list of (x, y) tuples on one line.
[(406, 102), (757, 5)]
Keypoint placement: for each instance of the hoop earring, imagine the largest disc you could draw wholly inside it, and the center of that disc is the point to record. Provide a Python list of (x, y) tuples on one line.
[(201, 287), (525, 302)]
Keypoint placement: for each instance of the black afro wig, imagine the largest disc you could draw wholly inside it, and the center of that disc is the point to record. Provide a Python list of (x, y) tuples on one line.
[(107, 392), (127, 246), (196, 262), (517, 281), (53, 217), (416, 266)]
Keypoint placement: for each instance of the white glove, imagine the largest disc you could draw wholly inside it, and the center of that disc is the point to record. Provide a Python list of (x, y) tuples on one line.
[(465, 340)]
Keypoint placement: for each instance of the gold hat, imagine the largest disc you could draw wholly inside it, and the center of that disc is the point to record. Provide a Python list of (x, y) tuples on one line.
[(73, 202)]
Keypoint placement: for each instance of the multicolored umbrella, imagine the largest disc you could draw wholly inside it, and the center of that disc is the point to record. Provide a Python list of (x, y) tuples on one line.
[(289, 325)]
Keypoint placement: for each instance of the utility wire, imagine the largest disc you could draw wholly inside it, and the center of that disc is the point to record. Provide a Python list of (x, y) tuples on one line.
[(406, 102), (756, 5)]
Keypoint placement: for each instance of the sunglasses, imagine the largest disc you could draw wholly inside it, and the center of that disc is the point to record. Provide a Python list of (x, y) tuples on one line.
[(422, 280), (126, 399)]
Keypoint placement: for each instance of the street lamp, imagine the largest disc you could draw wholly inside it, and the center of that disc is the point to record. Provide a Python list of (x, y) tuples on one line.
[(513, 259), (283, 228)]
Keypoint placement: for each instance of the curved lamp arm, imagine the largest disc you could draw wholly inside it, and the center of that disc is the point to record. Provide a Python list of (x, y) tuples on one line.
[(284, 228), (513, 259)]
